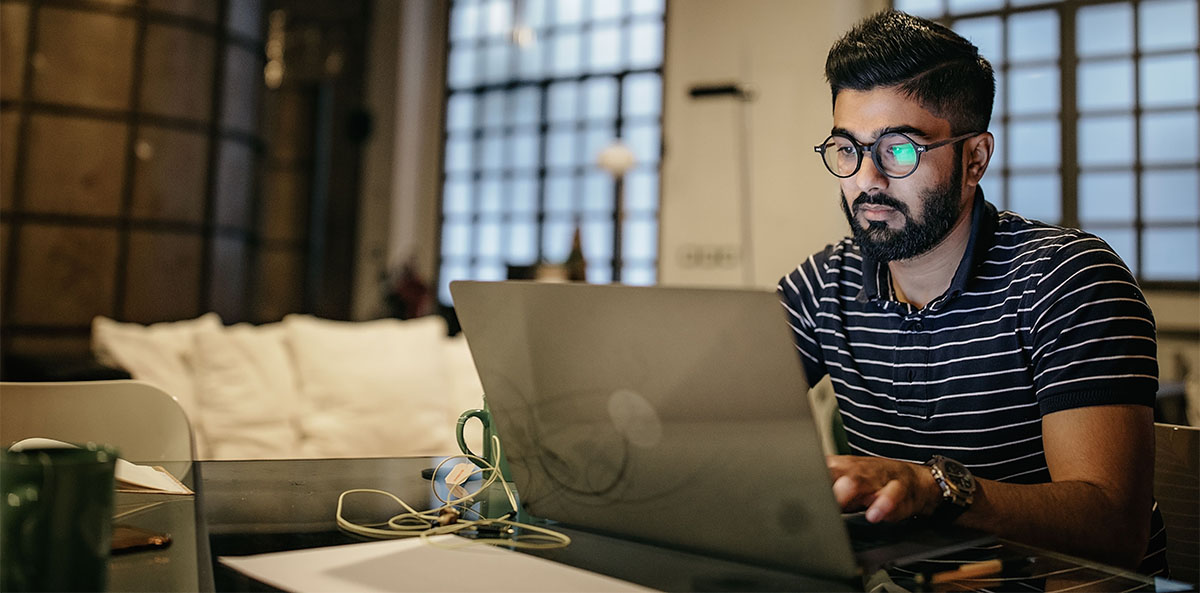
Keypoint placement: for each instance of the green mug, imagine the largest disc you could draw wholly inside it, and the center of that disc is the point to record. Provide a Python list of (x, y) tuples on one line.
[(56, 518), (485, 418)]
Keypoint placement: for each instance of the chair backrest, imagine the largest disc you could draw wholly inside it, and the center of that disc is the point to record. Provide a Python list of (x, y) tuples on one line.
[(1177, 489), (143, 422)]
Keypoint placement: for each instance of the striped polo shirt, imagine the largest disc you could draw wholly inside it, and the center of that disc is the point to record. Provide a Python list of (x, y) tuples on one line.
[(1037, 319)]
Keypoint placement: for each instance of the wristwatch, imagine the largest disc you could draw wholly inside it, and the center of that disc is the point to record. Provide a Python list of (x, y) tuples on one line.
[(958, 488)]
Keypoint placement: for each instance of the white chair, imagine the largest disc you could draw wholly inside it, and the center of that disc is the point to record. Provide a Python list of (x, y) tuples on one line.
[(1177, 490), (144, 423)]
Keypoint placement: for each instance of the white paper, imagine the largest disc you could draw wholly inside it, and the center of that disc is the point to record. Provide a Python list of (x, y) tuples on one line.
[(413, 565)]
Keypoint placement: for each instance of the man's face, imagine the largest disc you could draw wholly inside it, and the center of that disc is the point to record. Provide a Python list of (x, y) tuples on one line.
[(898, 219)]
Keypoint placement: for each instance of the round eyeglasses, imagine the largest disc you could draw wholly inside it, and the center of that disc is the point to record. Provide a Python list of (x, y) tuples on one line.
[(895, 154)]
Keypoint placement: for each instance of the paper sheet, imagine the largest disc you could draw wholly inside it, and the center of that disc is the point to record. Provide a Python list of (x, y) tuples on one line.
[(130, 477), (413, 565)]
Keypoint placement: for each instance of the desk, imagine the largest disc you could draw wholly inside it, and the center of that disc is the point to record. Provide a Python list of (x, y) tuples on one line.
[(253, 507)]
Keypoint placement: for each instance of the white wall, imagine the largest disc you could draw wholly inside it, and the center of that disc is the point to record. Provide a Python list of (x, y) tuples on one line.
[(777, 48)]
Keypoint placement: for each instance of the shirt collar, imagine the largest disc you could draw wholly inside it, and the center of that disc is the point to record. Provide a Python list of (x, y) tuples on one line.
[(983, 228)]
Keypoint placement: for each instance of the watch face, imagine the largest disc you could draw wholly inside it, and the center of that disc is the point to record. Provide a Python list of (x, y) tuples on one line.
[(958, 474)]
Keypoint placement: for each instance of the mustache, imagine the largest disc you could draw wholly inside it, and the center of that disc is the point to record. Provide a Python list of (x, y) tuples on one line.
[(880, 199)]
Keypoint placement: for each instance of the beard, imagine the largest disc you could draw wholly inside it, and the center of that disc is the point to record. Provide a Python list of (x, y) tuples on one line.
[(940, 207)]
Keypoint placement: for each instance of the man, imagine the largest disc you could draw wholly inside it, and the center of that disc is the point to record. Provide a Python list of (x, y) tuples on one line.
[(990, 370)]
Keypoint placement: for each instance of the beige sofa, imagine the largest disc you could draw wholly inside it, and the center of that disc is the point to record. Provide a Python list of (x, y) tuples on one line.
[(304, 387)]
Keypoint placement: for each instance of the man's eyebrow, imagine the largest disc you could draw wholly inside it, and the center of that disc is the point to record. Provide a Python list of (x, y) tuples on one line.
[(902, 129)]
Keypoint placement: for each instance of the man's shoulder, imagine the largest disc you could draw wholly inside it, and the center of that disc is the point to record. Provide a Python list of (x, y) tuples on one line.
[(831, 269), (1019, 240)]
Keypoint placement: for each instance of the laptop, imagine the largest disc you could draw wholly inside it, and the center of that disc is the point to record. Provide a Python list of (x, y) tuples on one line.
[(677, 416)]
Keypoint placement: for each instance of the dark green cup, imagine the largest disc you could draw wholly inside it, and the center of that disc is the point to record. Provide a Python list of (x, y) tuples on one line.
[(56, 518), (485, 417)]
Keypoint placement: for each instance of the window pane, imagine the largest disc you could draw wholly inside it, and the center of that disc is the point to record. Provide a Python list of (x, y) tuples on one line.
[(643, 141), (536, 13), (565, 58), (1105, 29), (1002, 148), (1171, 254), (560, 192), (458, 153), (491, 195), (496, 60), (566, 12), (925, 8), (641, 191), (1167, 24), (1036, 196), (993, 189), (456, 197), (646, 6), (1170, 196), (556, 239), (487, 240), (1168, 81), (456, 238), (1169, 137), (643, 95), (598, 193), (597, 238), (497, 18), (460, 72), (1106, 85), (493, 270), (493, 109), (563, 101), (522, 241), (1123, 241), (601, 98), (1033, 90), (1106, 140), (1000, 104), (1106, 197), (460, 111), (604, 51), (639, 239), (523, 149), (961, 6), (606, 10), (637, 275), (522, 194), (985, 33), (1034, 143), (529, 60), (464, 20), (525, 106), (493, 151), (645, 45), (1033, 36), (560, 147), (596, 138), (599, 272)]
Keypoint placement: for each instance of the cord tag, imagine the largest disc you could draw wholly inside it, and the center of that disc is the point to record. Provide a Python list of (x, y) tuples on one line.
[(460, 473)]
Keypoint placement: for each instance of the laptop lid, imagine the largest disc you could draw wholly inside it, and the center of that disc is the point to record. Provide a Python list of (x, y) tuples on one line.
[(674, 415)]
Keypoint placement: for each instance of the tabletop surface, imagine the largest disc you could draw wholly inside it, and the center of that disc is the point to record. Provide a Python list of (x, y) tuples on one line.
[(254, 507)]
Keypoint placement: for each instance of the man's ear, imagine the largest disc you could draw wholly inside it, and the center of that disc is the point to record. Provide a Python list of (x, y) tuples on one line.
[(977, 153)]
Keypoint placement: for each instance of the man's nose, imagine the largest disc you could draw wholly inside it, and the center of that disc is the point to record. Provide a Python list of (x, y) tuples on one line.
[(869, 179)]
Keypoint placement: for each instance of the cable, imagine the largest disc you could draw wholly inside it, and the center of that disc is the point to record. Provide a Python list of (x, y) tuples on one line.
[(446, 518)]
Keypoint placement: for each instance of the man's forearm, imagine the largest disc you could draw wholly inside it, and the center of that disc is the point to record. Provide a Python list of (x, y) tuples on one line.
[(1072, 517)]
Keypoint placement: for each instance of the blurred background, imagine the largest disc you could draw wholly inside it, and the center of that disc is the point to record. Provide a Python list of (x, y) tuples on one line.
[(349, 158)]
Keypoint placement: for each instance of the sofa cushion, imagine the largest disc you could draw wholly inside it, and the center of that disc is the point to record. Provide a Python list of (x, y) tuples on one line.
[(373, 388), (246, 392)]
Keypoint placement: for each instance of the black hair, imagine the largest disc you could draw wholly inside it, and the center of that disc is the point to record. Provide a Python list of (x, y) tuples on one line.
[(924, 60)]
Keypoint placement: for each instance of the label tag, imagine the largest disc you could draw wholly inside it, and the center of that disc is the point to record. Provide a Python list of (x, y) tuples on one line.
[(458, 492), (460, 473)]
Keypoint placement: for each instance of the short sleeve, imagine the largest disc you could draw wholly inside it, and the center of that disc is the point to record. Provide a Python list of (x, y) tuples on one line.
[(1093, 336)]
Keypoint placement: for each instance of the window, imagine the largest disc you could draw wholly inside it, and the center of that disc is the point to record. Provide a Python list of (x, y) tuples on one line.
[(1096, 120), (535, 89)]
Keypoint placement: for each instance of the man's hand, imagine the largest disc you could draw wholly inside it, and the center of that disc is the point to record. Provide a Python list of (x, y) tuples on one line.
[(890, 490)]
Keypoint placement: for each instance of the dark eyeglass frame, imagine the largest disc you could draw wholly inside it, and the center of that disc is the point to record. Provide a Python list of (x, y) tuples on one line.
[(859, 149)]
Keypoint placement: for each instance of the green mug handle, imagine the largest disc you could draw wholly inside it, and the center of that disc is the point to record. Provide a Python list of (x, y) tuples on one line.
[(486, 419)]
